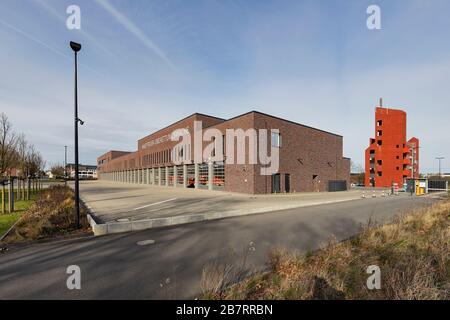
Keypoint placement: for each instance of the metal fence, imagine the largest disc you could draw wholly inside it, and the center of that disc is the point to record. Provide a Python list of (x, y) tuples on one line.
[(437, 185)]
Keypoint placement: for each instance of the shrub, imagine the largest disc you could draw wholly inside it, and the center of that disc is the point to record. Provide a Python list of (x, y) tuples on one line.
[(52, 214)]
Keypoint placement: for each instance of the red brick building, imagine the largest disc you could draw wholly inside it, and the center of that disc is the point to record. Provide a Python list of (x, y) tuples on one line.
[(310, 159), (391, 158)]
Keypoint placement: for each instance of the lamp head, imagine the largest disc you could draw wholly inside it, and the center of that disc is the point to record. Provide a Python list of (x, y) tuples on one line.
[(75, 46)]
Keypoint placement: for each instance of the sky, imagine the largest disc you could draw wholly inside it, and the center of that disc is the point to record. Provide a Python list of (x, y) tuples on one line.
[(146, 64)]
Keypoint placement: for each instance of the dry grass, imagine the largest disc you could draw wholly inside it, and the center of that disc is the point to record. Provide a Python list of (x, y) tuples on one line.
[(51, 215), (412, 253)]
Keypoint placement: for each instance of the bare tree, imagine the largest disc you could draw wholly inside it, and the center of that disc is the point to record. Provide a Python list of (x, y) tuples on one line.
[(358, 173), (8, 144), (22, 147), (57, 170), (8, 154)]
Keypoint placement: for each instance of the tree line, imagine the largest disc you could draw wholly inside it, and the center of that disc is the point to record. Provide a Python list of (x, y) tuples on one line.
[(19, 161)]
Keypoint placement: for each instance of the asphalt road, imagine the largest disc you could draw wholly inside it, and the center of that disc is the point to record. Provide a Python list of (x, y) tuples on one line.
[(115, 267)]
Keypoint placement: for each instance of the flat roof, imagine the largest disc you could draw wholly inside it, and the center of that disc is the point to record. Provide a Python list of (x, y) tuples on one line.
[(281, 119), (174, 123), (223, 120)]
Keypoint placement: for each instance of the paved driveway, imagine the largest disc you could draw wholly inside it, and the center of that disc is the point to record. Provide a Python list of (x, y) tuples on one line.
[(111, 201)]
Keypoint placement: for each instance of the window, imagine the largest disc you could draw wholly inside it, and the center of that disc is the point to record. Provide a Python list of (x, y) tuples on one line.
[(380, 142), (379, 133), (223, 145), (397, 146), (276, 140), (379, 123), (398, 168), (398, 157)]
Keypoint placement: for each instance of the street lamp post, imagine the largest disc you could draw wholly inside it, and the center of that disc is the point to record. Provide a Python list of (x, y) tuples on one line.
[(65, 166), (76, 47), (440, 159)]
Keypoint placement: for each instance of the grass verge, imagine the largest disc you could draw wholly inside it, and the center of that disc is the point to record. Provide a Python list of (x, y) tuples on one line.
[(7, 220), (412, 253), (50, 215)]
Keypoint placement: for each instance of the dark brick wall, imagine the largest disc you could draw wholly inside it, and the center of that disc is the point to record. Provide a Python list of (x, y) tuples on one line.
[(305, 152)]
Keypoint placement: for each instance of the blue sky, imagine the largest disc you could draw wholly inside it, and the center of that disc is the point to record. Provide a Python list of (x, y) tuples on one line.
[(146, 64)]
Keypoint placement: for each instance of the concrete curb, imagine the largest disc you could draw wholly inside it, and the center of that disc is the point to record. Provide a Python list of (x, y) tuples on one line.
[(138, 225), (9, 230)]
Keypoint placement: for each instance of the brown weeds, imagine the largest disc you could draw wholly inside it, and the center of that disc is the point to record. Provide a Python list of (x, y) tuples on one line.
[(412, 253), (52, 214)]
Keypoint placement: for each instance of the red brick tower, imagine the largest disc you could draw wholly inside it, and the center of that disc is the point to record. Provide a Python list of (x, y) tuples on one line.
[(389, 157)]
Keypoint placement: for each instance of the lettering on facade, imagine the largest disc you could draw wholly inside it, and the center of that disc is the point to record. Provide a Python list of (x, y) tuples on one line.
[(168, 137)]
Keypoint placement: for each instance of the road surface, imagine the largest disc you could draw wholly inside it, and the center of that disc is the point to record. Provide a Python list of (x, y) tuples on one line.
[(111, 201), (116, 267)]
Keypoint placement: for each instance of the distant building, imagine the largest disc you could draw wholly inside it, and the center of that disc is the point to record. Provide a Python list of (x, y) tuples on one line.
[(436, 174), (84, 171), (390, 158)]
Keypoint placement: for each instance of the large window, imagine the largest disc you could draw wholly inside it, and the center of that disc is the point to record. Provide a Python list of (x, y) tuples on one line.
[(276, 140)]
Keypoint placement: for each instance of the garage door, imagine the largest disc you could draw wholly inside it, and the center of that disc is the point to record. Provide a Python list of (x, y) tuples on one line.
[(337, 185)]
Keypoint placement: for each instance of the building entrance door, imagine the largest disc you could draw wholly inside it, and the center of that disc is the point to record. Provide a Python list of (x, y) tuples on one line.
[(287, 183), (276, 183)]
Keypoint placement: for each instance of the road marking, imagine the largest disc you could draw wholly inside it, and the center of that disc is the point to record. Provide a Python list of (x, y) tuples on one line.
[(154, 204)]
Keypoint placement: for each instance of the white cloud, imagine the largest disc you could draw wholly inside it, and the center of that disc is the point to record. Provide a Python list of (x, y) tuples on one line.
[(135, 30)]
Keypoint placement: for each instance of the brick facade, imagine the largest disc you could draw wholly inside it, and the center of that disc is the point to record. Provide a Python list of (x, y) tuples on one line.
[(311, 157)]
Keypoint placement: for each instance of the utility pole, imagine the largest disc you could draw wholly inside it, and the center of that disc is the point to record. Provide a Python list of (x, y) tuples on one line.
[(440, 159), (65, 166)]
